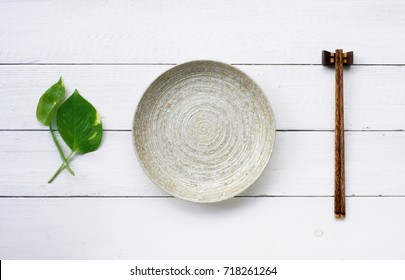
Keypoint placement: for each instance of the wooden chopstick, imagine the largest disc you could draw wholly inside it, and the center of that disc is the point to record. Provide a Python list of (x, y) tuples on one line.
[(340, 203)]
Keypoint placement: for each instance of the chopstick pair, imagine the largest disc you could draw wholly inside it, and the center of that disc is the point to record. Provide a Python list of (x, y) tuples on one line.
[(338, 59)]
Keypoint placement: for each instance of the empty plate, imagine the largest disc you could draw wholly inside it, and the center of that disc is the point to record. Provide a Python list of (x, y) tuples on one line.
[(203, 131)]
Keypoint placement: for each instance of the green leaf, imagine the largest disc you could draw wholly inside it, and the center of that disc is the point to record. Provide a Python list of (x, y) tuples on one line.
[(46, 109), (49, 102), (79, 124)]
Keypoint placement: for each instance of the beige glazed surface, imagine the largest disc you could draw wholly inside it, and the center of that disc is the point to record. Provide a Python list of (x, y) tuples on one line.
[(203, 131)]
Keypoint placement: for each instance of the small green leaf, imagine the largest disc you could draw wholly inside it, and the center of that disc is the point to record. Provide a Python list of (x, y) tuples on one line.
[(49, 102), (46, 109), (79, 124)]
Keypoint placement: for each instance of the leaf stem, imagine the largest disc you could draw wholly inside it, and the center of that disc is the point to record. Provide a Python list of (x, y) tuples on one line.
[(63, 165), (62, 156)]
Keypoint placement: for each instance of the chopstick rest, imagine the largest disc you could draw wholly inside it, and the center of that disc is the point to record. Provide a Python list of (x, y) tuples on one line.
[(339, 59)]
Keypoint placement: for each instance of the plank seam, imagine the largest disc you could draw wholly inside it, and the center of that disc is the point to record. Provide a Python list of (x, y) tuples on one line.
[(239, 196), (278, 130), (173, 64)]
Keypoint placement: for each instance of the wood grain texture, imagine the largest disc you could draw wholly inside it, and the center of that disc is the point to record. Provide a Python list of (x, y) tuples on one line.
[(256, 31), (340, 211), (301, 165), (302, 97), (166, 228), (112, 50)]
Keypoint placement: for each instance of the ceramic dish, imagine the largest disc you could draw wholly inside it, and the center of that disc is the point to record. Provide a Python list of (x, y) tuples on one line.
[(203, 131)]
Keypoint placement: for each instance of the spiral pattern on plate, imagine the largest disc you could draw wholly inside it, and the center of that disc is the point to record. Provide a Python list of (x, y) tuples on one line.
[(203, 131)]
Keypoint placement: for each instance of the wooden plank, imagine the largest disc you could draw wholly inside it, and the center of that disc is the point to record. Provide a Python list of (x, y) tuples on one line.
[(302, 96), (256, 31), (301, 165), (241, 228)]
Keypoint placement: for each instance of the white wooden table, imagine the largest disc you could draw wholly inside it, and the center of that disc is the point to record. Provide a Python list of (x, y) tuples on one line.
[(112, 50)]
